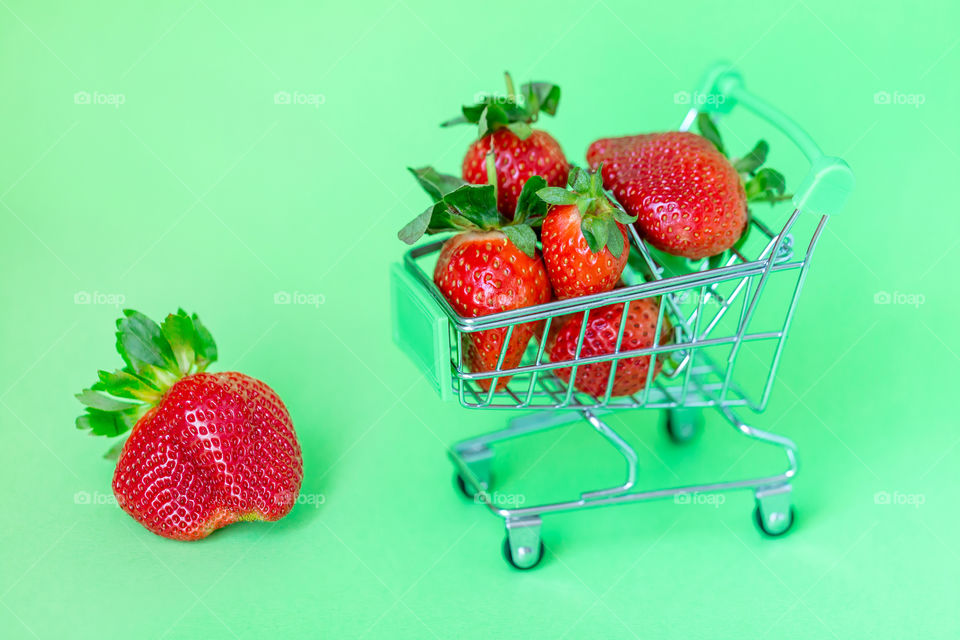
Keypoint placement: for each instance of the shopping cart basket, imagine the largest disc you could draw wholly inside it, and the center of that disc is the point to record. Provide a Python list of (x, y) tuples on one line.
[(719, 309)]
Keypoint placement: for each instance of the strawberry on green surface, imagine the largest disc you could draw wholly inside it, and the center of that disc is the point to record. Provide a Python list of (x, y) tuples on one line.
[(491, 266), (518, 151), (689, 199), (600, 339), (585, 243), (205, 449)]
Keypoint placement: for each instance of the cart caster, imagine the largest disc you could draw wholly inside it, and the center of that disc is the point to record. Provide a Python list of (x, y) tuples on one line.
[(774, 513), (522, 547), (523, 560), (682, 425), (466, 490)]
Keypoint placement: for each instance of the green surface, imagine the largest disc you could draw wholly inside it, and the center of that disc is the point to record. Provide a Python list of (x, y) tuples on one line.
[(199, 190)]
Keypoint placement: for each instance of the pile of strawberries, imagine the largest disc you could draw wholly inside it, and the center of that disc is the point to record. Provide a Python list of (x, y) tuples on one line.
[(678, 189)]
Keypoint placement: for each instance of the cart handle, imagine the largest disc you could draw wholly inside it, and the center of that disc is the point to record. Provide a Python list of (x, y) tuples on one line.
[(828, 184)]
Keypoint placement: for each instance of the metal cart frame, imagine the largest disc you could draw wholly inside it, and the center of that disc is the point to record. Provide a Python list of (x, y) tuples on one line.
[(712, 308)]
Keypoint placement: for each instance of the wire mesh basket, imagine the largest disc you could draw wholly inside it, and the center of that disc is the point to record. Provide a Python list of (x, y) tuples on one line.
[(711, 313)]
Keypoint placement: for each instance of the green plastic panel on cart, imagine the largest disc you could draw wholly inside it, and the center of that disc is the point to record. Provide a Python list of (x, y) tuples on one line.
[(421, 329)]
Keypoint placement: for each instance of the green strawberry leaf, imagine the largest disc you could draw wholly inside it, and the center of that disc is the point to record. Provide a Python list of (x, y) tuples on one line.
[(123, 384), (709, 131), (622, 216), (436, 184), (113, 453), (541, 96), (523, 237), (579, 179), (156, 356), (595, 230), (204, 346), (530, 207), (514, 112), (520, 129), (768, 185), (142, 343), (557, 195), (414, 230), (615, 240), (752, 161), (106, 423), (476, 203)]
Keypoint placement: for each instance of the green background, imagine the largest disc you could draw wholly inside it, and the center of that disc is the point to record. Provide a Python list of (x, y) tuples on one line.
[(200, 191)]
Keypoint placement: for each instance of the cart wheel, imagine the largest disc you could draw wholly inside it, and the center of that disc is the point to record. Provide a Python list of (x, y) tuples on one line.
[(782, 529), (524, 559), (683, 424), (462, 487)]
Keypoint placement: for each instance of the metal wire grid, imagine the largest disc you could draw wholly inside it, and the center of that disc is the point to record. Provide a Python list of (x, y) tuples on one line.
[(690, 376)]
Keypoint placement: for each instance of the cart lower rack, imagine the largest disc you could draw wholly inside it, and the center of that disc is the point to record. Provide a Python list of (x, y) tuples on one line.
[(717, 311)]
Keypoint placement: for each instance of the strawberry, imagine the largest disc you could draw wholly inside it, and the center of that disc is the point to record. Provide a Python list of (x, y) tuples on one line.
[(585, 245), (688, 197), (491, 266), (508, 147), (205, 449), (600, 338)]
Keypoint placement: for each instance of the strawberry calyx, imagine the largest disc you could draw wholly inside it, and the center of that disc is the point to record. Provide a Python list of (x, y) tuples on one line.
[(155, 357), (461, 206), (760, 185), (599, 211), (513, 111)]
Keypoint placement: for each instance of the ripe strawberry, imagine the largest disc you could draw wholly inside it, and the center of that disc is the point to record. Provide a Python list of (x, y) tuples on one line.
[(483, 272), (600, 338), (585, 245), (508, 147), (205, 449), (516, 159), (490, 267), (688, 197)]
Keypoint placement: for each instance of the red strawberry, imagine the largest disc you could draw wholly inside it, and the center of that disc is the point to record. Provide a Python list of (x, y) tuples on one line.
[(508, 147), (688, 198), (585, 245), (492, 266), (205, 449), (480, 273), (516, 160), (600, 338)]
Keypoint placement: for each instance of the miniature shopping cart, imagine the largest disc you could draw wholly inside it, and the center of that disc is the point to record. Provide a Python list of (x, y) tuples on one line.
[(719, 310)]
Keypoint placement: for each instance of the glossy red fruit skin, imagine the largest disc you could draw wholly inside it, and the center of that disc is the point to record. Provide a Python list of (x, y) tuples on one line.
[(516, 161), (688, 198), (217, 449), (480, 273), (573, 269), (600, 338)]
